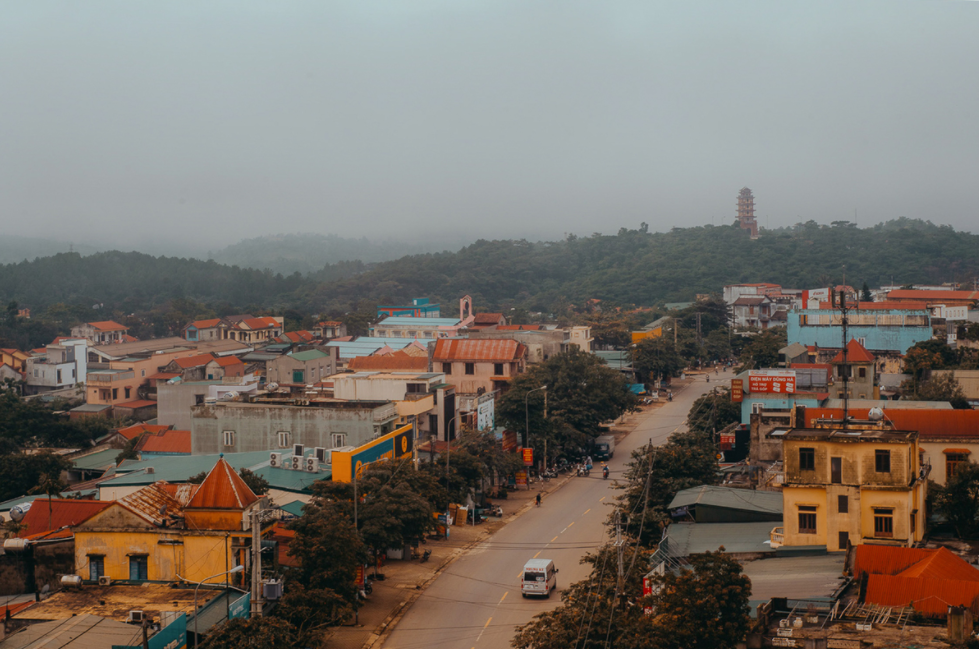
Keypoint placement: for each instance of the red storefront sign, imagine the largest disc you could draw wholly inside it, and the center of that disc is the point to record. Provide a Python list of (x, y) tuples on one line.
[(509, 440), (522, 478), (737, 390), (528, 456), (772, 381)]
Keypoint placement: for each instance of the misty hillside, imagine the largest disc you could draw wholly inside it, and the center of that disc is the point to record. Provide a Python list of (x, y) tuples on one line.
[(305, 253), (15, 249), (631, 267)]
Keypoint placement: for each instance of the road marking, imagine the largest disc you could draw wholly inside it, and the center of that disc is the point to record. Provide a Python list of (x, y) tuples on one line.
[(587, 510), (487, 623), (569, 524), (504, 597), (538, 553), (552, 540), (483, 631), (564, 530), (601, 499)]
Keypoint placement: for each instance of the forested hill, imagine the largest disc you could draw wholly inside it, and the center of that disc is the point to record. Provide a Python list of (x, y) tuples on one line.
[(632, 267)]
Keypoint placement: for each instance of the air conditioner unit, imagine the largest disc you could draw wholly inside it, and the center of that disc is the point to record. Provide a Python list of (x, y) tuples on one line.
[(297, 463), (298, 449), (105, 580), (322, 455), (275, 460), (135, 616), (312, 464)]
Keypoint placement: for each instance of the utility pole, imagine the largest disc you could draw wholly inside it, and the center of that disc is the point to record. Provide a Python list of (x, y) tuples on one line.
[(619, 548), (146, 639), (256, 606)]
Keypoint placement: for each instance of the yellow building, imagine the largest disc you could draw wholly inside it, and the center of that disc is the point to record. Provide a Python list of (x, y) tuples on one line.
[(851, 486), (167, 532)]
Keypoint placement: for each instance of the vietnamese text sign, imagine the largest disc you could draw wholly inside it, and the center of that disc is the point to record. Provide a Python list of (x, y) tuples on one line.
[(737, 390), (773, 381), (528, 456)]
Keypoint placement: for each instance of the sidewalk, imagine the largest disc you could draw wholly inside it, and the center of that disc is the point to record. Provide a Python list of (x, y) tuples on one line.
[(404, 581)]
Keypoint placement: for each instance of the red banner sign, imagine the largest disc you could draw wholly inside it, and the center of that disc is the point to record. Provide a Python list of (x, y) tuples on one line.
[(509, 440), (528, 456), (772, 381), (522, 478), (737, 390)]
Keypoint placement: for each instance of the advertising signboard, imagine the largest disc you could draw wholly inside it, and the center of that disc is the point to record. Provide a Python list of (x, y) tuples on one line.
[(509, 440), (737, 390), (486, 412), (395, 445), (522, 478), (528, 456), (772, 381)]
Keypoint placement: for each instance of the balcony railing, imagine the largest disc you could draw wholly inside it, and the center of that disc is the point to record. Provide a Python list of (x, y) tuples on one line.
[(777, 537), (109, 377)]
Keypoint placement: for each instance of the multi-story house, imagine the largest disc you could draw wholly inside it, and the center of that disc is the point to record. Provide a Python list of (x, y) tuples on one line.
[(213, 329), (308, 367), (860, 370), (101, 333), (476, 366), (62, 366), (852, 485)]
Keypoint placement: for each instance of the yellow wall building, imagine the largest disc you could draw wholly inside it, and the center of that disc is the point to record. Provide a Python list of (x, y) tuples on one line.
[(167, 532), (851, 486)]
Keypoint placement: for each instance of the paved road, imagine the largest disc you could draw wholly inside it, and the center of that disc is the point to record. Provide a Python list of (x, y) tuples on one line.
[(476, 602)]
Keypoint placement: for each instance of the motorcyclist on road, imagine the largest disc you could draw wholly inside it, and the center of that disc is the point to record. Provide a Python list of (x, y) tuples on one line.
[(604, 471), (538, 499)]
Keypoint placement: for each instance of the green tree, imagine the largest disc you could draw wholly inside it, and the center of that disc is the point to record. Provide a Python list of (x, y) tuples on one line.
[(22, 472), (311, 612), (762, 349), (703, 608), (656, 358), (940, 387), (958, 500), (255, 482), (865, 294), (713, 411), (252, 633), (329, 550), (393, 516)]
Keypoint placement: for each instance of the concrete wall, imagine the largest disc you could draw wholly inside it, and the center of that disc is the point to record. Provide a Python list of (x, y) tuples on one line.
[(280, 370), (43, 565), (174, 401), (876, 337), (256, 426)]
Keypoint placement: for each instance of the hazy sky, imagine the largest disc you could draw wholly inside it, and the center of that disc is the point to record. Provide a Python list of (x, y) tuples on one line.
[(213, 121)]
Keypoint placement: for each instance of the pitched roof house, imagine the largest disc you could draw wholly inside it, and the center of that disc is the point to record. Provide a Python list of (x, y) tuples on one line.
[(475, 366)]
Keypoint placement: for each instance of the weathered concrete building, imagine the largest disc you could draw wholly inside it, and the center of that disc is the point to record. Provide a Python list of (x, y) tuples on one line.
[(306, 367), (278, 424)]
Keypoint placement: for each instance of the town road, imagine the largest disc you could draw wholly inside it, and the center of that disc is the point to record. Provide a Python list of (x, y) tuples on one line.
[(476, 602)]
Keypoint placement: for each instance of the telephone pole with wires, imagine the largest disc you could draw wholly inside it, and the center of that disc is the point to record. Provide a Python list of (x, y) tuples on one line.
[(619, 547)]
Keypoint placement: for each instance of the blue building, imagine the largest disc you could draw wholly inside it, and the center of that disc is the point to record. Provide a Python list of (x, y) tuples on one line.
[(890, 330), (420, 307)]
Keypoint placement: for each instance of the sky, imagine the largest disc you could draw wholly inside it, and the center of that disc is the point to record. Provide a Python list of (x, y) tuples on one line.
[(134, 123)]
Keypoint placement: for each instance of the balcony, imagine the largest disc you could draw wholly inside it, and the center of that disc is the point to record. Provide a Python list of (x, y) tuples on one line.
[(777, 537), (108, 377)]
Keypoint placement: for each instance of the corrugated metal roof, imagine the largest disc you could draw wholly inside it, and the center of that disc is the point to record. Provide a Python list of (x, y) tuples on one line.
[(107, 325), (99, 460), (930, 596), (309, 355), (484, 349), (223, 488), (408, 321), (63, 513), (696, 538), (931, 296), (138, 429), (193, 361), (153, 503), (83, 631), (943, 564), (892, 560), (399, 360), (729, 498), (937, 423), (168, 441)]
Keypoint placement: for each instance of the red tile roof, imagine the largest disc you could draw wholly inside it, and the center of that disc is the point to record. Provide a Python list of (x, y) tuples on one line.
[(284, 537), (856, 353), (260, 323), (932, 297), (487, 318), (205, 324), (395, 361), (168, 441), (64, 512), (487, 349), (528, 327), (937, 423), (126, 338), (296, 337), (139, 403), (222, 489), (193, 361), (107, 325), (329, 323), (228, 361), (930, 580), (136, 430)]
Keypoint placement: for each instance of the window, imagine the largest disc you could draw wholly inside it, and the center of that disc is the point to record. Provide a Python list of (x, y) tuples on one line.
[(498, 369), (138, 568), (952, 462), (756, 408), (283, 439), (862, 372), (807, 519), (229, 438), (417, 388), (836, 470), (198, 399), (297, 376), (96, 566), (843, 504), (882, 461), (142, 373), (127, 391), (59, 376), (844, 539), (470, 368), (807, 459), (447, 368), (884, 523), (115, 393), (339, 439)]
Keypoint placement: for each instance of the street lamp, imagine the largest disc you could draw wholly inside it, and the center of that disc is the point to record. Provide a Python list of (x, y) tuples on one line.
[(196, 612), (526, 412)]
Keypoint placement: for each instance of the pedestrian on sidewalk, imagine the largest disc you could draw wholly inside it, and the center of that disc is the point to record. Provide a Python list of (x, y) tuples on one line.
[(538, 499)]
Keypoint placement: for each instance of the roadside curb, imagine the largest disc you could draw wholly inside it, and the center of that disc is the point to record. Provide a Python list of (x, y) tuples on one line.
[(385, 628)]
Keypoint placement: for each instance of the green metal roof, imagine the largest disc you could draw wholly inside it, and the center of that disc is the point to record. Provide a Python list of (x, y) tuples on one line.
[(177, 468), (100, 460), (309, 355), (685, 539), (769, 502), (295, 508)]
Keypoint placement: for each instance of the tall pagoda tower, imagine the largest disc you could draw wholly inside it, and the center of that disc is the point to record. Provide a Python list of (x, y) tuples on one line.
[(746, 212)]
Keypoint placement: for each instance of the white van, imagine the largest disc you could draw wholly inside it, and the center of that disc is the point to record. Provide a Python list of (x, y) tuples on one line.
[(539, 578)]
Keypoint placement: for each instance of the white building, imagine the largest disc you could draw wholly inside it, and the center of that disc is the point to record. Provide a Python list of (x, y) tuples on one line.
[(62, 366)]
